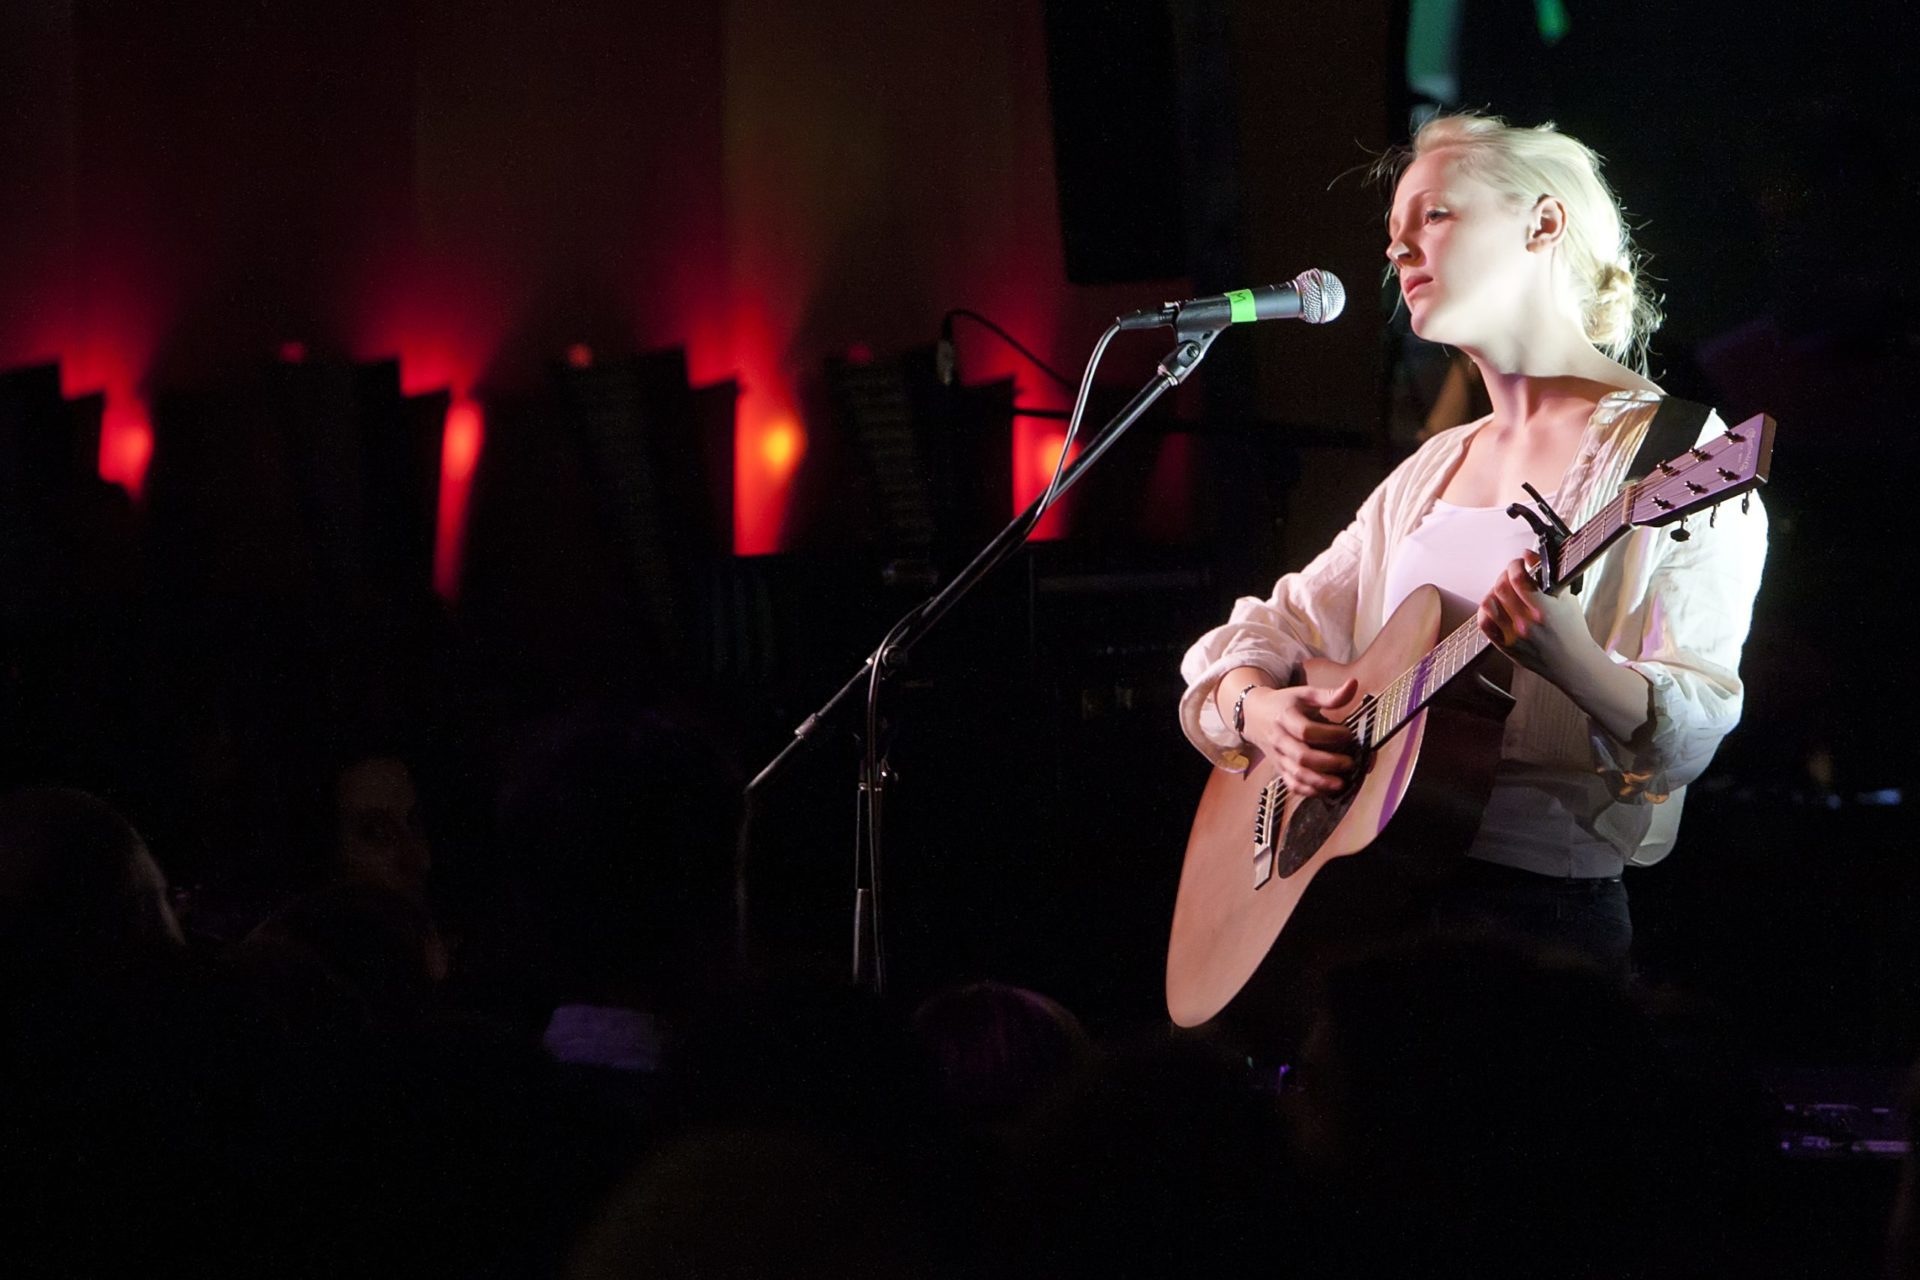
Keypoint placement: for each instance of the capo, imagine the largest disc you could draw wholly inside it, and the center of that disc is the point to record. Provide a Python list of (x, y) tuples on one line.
[(1552, 532)]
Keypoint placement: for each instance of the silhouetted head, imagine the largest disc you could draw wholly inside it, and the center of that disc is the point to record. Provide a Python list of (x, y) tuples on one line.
[(77, 885), (1161, 1157), (746, 1203), (378, 832), (996, 1048)]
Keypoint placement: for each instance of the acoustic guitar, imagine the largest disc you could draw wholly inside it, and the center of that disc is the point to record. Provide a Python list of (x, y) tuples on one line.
[(1426, 726)]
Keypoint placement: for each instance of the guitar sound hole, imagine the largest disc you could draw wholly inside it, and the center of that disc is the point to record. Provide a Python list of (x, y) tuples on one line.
[(1313, 821)]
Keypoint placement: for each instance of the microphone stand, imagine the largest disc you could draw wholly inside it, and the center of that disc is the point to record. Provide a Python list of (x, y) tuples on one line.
[(869, 968)]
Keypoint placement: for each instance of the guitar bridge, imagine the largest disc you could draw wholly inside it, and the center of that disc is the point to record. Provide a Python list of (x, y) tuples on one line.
[(1266, 823)]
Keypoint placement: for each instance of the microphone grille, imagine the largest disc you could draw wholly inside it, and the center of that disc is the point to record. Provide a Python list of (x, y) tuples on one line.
[(1322, 296)]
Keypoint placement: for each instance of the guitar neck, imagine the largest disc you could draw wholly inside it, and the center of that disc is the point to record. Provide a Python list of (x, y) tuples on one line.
[(1387, 711)]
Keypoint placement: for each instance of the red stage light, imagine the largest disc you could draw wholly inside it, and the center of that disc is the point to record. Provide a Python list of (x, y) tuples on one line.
[(1036, 451), (459, 455), (781, 445), (126, 444), (766, 454), (769, 438)]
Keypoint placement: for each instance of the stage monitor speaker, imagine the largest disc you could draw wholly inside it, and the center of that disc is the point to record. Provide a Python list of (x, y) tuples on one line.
[(934, 463), (47, 441)]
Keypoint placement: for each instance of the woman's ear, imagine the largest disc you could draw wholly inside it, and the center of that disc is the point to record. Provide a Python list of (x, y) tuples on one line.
[(1548, 222)]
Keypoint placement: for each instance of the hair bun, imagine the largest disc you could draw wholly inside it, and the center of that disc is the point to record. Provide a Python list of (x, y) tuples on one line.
[(1619, 309)]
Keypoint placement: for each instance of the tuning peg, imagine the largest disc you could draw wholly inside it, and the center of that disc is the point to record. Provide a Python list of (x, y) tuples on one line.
[(1713, 515), (1745, 500), (1680, 534)]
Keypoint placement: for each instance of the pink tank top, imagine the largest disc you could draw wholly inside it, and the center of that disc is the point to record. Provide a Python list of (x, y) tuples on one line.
[(1460, 550)]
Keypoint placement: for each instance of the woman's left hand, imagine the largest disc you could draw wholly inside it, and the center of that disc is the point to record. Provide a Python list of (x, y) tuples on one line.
[(1538, 631)]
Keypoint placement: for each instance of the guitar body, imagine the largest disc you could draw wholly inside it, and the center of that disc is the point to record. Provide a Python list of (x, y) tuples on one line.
[(1413, 806)]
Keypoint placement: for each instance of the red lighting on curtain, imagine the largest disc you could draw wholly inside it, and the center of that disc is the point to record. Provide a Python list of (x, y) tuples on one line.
[(1036, 450), (459, 454), (126, 444), (766, 454), (113, 366), (769, 440)]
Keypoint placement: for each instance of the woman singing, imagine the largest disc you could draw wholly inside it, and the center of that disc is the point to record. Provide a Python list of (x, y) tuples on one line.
[(1511, 249)]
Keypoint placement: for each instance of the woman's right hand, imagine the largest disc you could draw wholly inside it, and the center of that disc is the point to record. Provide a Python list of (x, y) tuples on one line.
[(1312, 754)]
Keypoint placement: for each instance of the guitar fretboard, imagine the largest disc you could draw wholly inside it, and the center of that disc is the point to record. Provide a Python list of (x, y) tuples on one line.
[(1382, 715)]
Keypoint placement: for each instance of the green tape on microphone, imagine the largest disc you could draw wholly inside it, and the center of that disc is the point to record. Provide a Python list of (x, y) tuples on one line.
[(1241, 300)]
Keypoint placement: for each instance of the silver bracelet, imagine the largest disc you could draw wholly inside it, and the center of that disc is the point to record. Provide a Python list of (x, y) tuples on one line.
[(1240, 709)]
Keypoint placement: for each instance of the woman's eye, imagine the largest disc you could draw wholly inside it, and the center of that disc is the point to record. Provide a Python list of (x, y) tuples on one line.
[(1433, 215)]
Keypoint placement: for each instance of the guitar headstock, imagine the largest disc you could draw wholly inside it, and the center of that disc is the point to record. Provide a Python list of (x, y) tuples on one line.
[(1705, 475)]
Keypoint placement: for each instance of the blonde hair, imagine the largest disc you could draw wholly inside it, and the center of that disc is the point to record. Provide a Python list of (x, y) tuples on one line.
[(1618, 311)]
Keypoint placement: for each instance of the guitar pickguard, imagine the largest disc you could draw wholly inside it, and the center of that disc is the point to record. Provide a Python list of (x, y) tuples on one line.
[(1313, 820)]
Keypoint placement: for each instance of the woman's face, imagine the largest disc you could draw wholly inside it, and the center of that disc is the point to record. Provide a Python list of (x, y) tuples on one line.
[(1463, 253)]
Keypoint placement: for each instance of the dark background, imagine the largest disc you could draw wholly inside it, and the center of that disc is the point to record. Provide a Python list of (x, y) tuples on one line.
[(752, 216)]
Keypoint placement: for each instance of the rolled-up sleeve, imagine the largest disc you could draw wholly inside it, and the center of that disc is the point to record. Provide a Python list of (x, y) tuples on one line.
[(1309, 614), (1685, 636)]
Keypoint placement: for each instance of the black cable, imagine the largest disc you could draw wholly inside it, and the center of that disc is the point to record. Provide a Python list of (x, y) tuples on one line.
[(946, 336)]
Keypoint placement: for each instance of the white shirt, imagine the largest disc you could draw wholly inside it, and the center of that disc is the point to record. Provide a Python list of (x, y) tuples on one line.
[(1676, 612)]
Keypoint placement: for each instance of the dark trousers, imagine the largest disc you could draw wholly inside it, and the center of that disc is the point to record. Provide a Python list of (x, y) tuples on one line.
[(1586, 916)]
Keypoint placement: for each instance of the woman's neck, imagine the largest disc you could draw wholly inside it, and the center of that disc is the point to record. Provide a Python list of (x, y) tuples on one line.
[(1539, 377)]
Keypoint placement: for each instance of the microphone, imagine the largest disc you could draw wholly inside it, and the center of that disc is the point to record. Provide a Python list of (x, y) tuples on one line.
[(1314, 296)]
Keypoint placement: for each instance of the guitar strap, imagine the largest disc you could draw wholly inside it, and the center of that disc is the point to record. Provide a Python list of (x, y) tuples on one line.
[(1675, 427)]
